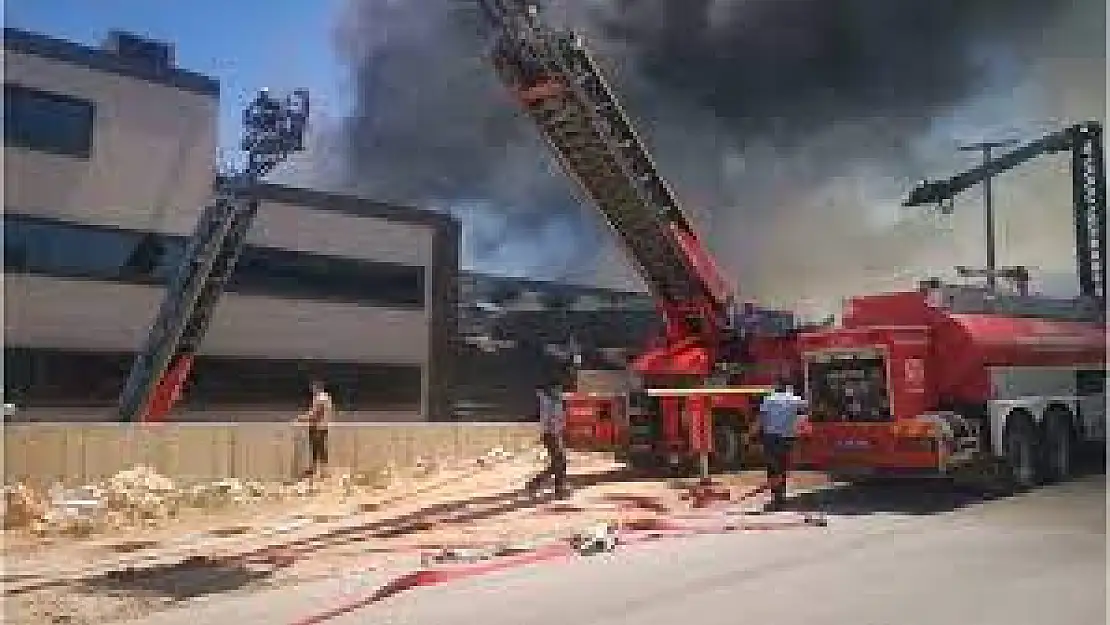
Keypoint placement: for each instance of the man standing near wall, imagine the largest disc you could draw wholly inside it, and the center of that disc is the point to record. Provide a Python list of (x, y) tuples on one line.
[(552, 422), (320, 413)]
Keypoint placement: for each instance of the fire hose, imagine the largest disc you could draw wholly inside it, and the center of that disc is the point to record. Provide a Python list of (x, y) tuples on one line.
[(453, 565)]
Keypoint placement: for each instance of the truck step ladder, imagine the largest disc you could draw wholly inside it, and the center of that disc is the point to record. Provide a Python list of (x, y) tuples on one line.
[(274, 129)]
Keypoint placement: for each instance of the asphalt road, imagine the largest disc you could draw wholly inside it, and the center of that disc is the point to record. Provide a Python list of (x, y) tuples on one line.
[(889, 556), (925, 559)]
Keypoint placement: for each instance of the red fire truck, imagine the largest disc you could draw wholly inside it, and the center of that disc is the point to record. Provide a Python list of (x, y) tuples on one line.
[(694, 388), (951, 378)]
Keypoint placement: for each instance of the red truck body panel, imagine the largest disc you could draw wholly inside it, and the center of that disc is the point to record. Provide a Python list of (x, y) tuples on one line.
[(930, 354), (595, 422), (686, 357)]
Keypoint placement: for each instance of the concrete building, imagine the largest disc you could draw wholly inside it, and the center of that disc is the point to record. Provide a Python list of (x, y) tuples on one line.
[(109, 154)]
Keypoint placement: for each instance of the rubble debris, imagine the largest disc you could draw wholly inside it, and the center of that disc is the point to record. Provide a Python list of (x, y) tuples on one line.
[(494, 456), (140, 496), (22, 506)]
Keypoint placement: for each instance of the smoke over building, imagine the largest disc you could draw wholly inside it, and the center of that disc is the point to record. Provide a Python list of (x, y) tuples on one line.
[(790, 129)]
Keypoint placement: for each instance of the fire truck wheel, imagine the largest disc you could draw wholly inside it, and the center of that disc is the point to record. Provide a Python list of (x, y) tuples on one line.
[(728, 446), (1057, 445), (641, 461), (1021, 447)]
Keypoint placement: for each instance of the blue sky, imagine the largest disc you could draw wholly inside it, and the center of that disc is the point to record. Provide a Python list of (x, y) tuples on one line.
[(280, 44)]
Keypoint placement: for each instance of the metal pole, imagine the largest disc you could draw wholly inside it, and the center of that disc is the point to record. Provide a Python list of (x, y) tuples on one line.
[(986, 148), (703, 468)]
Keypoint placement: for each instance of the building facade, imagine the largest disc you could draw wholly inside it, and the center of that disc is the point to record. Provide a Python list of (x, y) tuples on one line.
[(109, 156)]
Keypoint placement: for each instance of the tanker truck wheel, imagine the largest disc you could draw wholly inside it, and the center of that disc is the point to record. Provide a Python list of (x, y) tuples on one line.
[(1058, 446), (1021, 447)]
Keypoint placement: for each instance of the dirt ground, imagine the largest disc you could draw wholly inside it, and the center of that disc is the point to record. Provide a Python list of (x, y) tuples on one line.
[(471, 507)]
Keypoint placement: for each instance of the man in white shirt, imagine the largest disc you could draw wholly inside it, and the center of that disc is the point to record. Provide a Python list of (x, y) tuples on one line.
[(320, 413), (552, 423), (778, 419)]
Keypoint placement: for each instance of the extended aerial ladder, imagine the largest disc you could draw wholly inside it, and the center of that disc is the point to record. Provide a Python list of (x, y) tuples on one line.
[(274, 128), (698, 387), (1088, 172), (559, 85)]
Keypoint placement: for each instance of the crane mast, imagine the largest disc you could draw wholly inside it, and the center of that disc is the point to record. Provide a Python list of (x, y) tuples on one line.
[(1088, 172), (560, 87)]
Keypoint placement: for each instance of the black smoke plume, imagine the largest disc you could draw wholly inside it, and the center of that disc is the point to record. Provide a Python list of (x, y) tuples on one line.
[(790, 127)]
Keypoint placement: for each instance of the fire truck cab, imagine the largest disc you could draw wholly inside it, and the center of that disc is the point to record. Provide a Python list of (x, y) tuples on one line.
[(946, 378)]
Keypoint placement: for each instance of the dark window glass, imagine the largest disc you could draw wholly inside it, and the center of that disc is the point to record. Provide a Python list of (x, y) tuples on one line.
[(52, 378), (851, 387), (42, 377), (49, 247), (47, 121), (295, 274), (1090, 381)]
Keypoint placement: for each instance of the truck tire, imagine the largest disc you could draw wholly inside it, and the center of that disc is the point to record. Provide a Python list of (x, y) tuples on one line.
[(728, 446), (1020, 443), (642, 461), (1058, 449)]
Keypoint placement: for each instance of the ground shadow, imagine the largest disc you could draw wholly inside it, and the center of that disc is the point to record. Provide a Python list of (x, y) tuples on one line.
[(911, 496), (904, 496), (193, 577)]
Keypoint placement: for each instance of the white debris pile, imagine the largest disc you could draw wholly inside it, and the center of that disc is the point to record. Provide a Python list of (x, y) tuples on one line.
[(141, 495), (229, 492), (72, 511)]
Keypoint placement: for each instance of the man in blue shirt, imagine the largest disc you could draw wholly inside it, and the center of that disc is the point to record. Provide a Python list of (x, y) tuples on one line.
[(778, 418)]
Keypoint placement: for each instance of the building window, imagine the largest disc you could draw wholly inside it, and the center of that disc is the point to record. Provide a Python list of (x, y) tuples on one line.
[(43, 246), (50, 378), (1090, 382), (48, 122), (312, 276)]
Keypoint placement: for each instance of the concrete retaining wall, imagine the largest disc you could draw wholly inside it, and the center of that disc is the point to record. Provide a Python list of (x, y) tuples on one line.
[(78, 453)]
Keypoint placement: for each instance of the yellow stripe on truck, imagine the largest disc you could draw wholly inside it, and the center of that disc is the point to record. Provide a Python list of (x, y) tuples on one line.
[(720, 390)]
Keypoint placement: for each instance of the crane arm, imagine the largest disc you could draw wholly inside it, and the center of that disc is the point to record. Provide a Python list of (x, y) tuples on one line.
[(937, 191), (1084, 141)]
